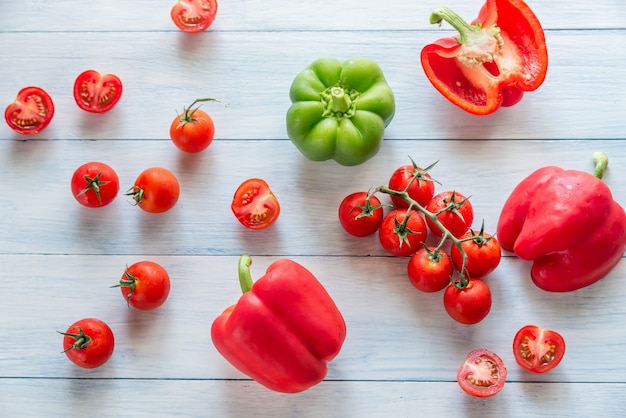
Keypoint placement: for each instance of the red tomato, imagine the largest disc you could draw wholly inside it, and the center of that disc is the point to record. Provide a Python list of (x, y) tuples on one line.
[(145, 285), (511, 96), (156, 190), (400, 234), (455, 212), (482, 374), (417, 183), (95, 184), (469, 304), (254, 204), (31, 111), (538, 350), (360, 214), (88, 343), (430, 270), (193, 130), (194, 15), (97, 93), (482, 251)]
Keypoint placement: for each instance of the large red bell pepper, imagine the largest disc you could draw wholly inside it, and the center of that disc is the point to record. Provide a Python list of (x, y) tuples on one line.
[(493, 62), (567, 223), (284, 329)]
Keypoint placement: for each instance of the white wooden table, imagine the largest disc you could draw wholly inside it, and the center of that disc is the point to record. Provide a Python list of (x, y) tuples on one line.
[(58, 259)]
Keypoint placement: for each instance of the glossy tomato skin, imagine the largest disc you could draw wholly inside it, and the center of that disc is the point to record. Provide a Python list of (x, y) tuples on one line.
[(421, 188), (402, 239), (483, 373), (194, 16), (254, 205), (429, 270), (89, 343), (97, 93), (31, 111), (457, 221), (483, 254), (194, 135), (470, 304), (145, 285), (538, 350), (156, 190), (95, 184), (360, 214)]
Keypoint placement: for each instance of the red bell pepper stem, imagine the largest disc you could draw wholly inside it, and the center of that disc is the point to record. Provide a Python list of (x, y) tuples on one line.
[(479, 45), (245, 278), (601, 160)]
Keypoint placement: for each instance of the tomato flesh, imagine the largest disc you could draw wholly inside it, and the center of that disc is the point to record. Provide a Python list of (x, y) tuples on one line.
[(538, 350), (97, 93), (31, 111), (483, 373), (194, 15), (254, 205)]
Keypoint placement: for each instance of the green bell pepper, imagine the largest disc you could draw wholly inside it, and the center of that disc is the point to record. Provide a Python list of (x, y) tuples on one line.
[(340, 110)]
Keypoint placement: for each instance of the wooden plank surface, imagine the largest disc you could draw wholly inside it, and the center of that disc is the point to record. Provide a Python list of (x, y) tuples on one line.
[(58, 259)]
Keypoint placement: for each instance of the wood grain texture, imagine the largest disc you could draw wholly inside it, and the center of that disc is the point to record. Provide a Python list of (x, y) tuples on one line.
[(58, 259)]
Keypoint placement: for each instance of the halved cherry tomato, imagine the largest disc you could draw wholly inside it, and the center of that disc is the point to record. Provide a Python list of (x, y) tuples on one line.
[(95, 184), (483, 373), (538, 350), (467, 303), (194, 15), (416, 181), (482, 251), (360, 214), (402, 233), (88, 343), (156, 190), (97, 93), (31, 111), (254, 204), (429, 269), (454, 211), (145, 285), (193, 130)]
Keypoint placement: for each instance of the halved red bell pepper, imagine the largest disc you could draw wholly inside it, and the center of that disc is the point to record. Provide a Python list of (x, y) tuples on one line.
[(497, 58), (284, 329), (567, 223)]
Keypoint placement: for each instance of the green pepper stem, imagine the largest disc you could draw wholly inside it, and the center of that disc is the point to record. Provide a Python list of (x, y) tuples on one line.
[(602, 161), (456, 21), (245, 278), (340, 101)]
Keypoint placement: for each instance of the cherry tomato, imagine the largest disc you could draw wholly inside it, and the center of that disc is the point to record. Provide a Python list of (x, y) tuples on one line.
[(360, 214), (455, 212), (97, 93), (194, 15), (429, 269), (538, 350), (483, 373), (156, 190), (254, 204), (402, 234), (482, 251), (417, 183), (88, 343), (95, 184), (193, 130), (31, 111), (145, 285), (511, 96), (467, 304)]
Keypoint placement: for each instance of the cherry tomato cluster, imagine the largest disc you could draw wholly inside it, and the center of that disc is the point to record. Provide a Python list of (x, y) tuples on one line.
[(417, 212), (90, 342)]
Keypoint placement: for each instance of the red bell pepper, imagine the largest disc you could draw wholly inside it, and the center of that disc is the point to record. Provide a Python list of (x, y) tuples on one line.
[(497, 58), (284, 329), (567, 223)]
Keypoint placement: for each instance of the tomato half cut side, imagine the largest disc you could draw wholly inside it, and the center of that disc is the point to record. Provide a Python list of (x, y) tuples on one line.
[(538, 350), (254, 204), (97, 93), (482, 374), (194, 16), (31, 111)]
